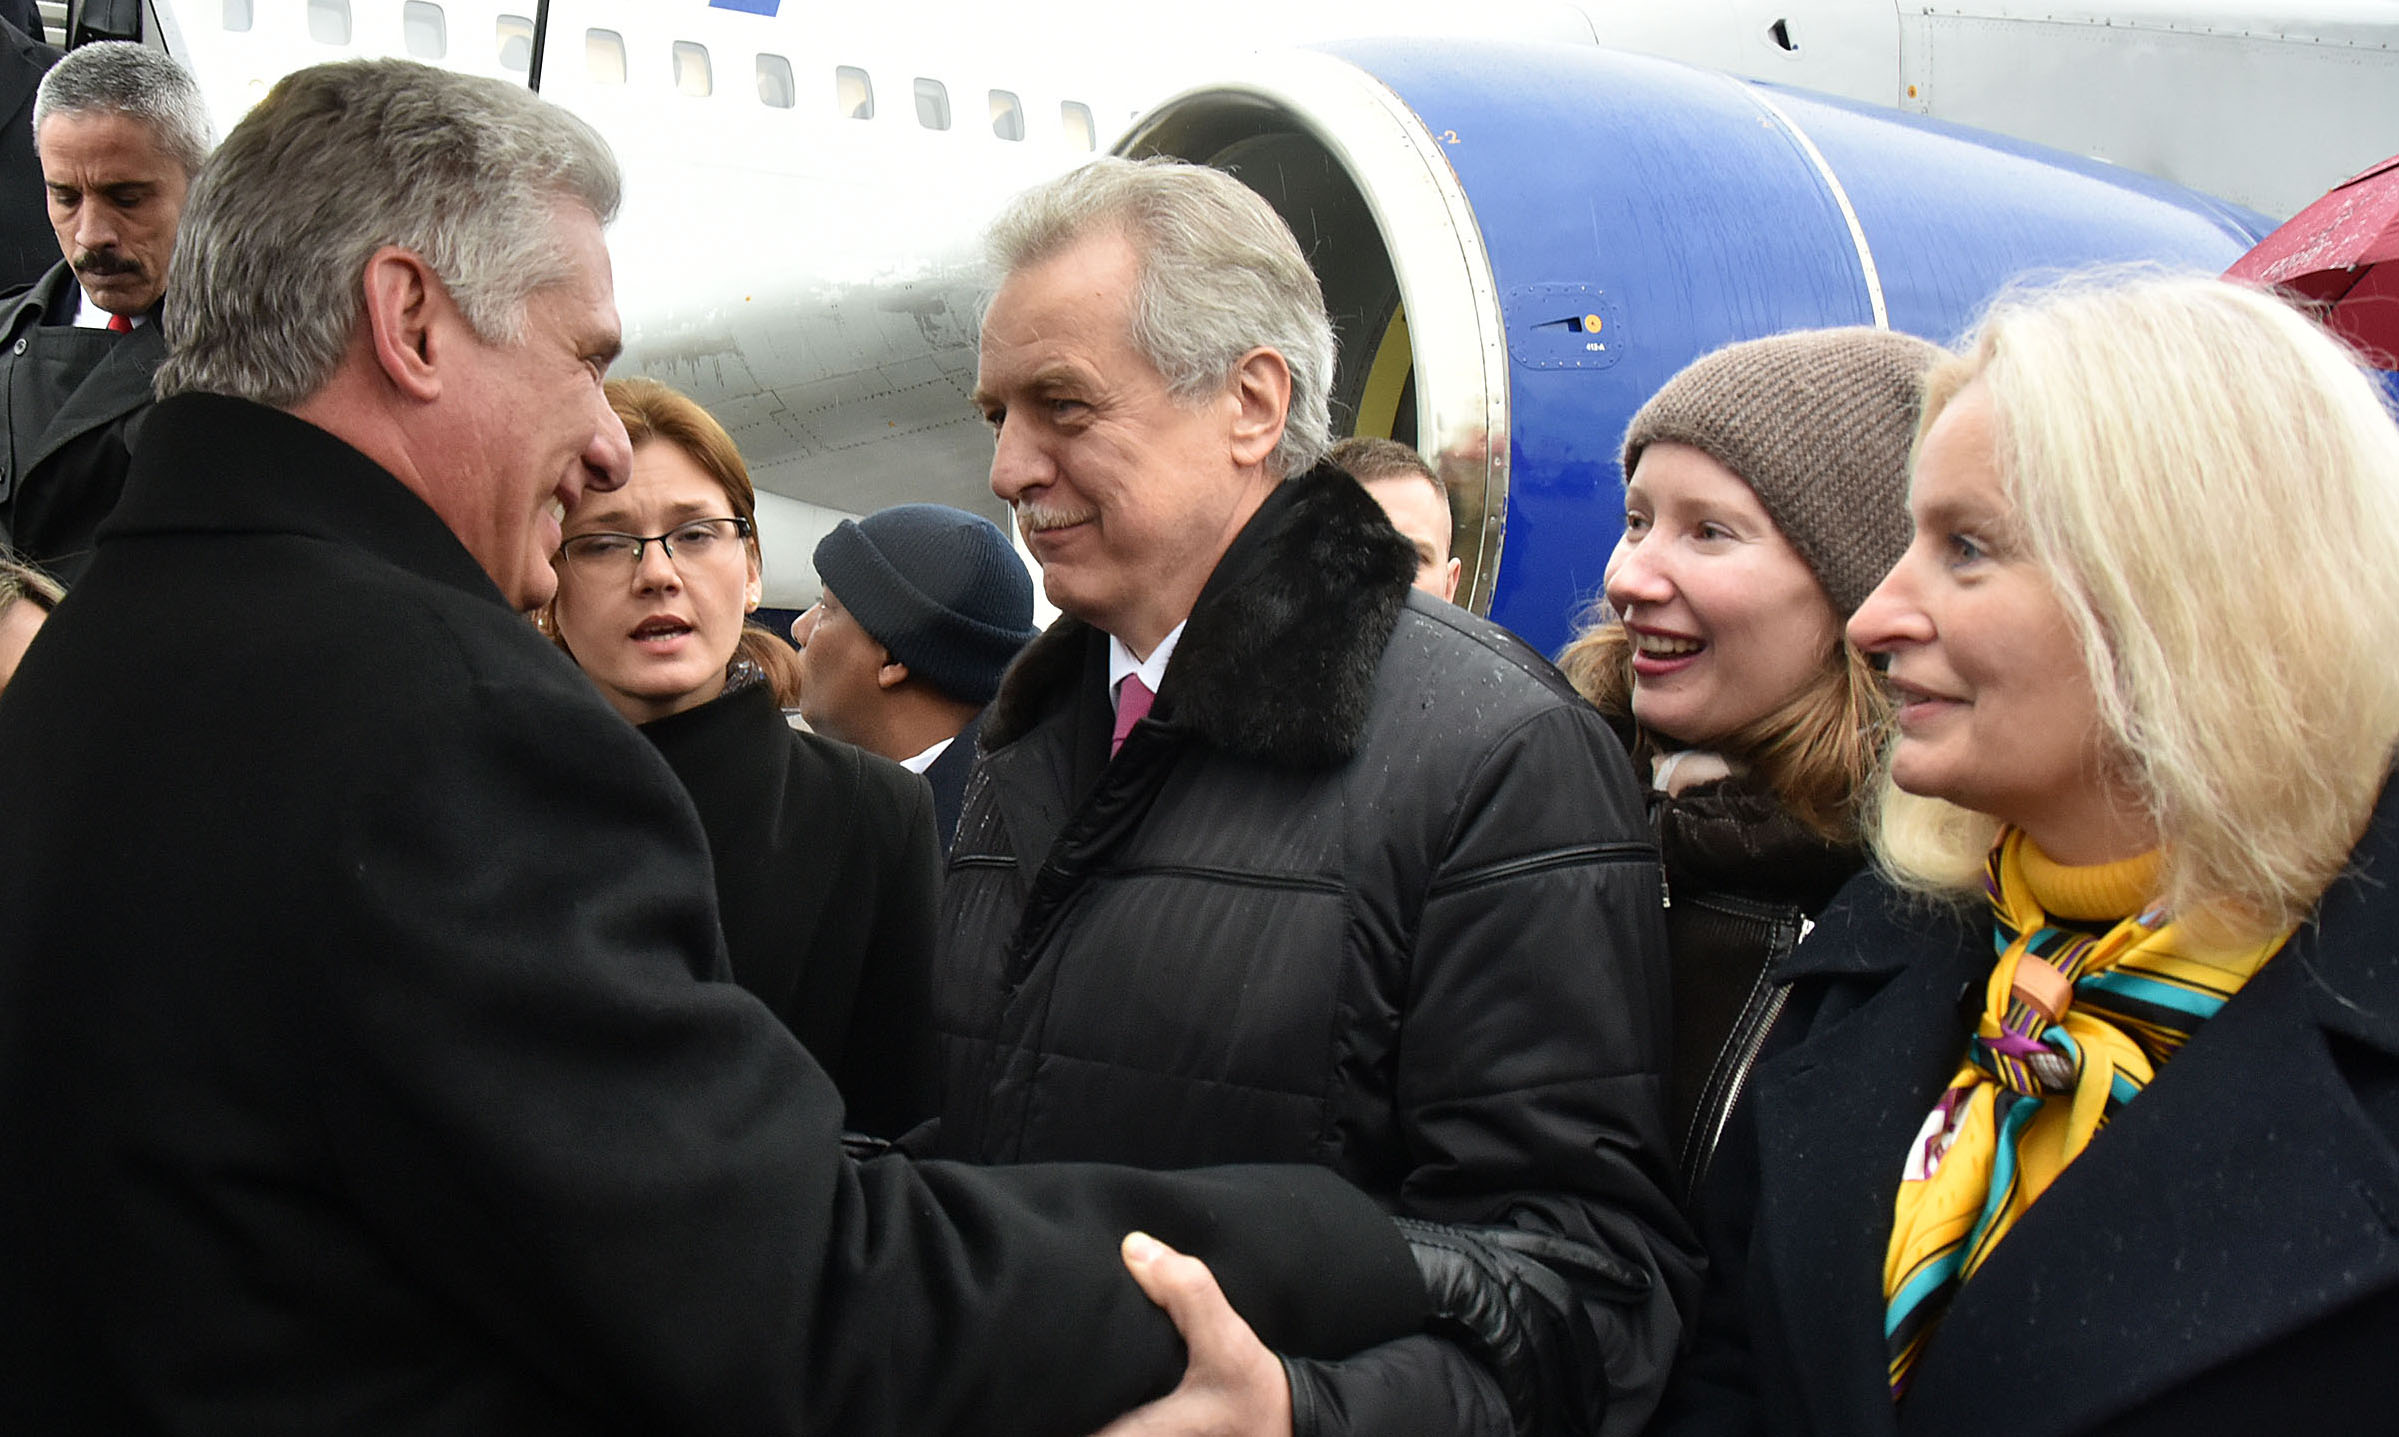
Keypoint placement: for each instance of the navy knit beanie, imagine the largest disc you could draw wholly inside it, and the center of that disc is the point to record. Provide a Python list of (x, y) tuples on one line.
[(937, 586)]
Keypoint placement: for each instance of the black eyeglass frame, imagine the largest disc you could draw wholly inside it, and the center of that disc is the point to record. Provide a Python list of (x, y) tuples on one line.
[(742, 530)]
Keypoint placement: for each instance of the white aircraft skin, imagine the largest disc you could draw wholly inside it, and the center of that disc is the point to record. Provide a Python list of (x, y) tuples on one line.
[(815, 279), (2264, 104)]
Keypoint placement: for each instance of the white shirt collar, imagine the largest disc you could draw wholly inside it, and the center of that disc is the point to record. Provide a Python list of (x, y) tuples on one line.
[(1152, 669), (91, 316), (924, 760)]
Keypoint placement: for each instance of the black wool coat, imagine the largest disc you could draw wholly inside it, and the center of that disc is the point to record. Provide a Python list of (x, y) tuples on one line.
[(947, 776), (826, 880), (69, 401), (28, 246), (1370, 887), (367, 1063), (2224, 1257)]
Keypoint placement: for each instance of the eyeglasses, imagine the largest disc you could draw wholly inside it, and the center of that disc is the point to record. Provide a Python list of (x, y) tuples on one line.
[(696, 541)]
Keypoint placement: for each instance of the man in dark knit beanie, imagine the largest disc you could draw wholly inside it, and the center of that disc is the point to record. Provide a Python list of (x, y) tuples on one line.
[(924, 606)]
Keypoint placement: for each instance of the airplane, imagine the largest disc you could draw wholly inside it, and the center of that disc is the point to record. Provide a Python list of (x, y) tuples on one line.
[(1526, 216)]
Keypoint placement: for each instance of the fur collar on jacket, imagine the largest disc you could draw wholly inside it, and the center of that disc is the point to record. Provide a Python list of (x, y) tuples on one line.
[(1278, 660)]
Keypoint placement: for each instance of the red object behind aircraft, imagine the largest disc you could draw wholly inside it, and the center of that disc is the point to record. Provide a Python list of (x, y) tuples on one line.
[(2342, 252)]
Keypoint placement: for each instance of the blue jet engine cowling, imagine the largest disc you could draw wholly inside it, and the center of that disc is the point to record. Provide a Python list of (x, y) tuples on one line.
[(1520, 243)]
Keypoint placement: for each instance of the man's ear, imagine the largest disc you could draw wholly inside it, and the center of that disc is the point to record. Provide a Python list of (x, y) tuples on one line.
[(404, 302), (1260, 394), (892, 674)]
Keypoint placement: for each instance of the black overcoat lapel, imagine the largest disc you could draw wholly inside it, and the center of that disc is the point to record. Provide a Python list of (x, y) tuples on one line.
[(117, 385), (1835, 1116)]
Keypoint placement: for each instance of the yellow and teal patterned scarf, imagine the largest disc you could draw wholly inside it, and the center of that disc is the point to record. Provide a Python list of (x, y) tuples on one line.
[(2077, 1019)]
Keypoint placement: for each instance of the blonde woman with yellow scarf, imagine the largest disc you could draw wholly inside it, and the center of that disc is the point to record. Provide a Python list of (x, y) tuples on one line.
[(2083, 1116)]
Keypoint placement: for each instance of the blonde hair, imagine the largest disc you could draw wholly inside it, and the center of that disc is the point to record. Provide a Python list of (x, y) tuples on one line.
[(2211, 485), (1815, 752), (20, 580)]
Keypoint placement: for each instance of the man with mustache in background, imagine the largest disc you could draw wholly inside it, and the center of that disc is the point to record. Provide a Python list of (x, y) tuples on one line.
[(120, 131)]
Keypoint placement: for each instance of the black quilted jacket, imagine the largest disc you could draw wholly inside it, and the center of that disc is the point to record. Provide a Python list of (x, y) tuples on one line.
[(1371, 887)]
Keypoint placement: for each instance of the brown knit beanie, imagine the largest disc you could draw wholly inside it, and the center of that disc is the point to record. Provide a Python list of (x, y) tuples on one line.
[(1818, 422)]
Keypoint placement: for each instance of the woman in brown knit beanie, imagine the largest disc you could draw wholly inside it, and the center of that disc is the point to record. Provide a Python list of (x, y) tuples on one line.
[(1766, 494)]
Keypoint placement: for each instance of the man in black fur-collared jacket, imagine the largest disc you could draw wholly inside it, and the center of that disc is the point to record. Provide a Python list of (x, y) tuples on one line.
[(1369, 886)]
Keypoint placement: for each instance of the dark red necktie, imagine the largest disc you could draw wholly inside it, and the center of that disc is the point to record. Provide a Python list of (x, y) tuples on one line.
[(1133, 700), (120, 324)]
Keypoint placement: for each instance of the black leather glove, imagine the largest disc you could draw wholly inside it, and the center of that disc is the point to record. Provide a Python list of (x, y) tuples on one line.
[(1310, 1402), (1515, 1299)]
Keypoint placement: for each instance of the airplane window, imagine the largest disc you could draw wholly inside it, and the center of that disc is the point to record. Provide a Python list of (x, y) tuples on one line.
[(774, 82), (604, 57), (428, 35), (329, 21), (1080, 132), (932, 104), (692, 75), (1007, 116), (853, 93), (515, 34), (237, 15)]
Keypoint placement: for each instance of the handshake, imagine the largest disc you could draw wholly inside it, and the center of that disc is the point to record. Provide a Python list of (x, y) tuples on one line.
[(1518, 1300)]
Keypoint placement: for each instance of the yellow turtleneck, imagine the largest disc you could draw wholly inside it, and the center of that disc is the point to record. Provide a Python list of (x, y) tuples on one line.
[(2093, 891)]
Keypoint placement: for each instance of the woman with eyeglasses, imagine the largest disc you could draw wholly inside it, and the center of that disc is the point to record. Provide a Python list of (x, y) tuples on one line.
[(2083, 1116), (826, 863)]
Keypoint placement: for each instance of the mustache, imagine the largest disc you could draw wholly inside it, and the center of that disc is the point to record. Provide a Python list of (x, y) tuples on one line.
[(1033, 518), (103, 263)]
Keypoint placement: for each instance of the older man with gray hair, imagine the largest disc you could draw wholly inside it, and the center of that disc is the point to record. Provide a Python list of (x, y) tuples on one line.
[(1270, 858), (120, 130), (368, 1062)]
